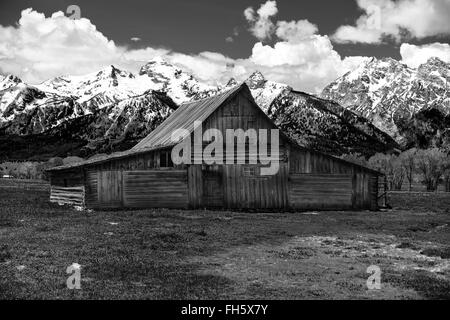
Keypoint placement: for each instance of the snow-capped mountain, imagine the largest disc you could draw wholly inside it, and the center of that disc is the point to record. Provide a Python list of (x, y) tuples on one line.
[(111, 109), (178, 84), (265, 92), (326, 126), (8, 81), (412, 105)]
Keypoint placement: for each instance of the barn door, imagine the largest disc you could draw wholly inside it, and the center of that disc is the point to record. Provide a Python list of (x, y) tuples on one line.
[(212, 186), (109, 189)]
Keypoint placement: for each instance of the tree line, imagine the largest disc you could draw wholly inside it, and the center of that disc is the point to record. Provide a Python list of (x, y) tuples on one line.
[(431, 167)]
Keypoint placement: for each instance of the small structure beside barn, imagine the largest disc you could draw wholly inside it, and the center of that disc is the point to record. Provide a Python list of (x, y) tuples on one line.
[(146, 176)]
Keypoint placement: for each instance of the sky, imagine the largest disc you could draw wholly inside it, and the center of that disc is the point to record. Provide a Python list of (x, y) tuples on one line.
[(306, 44)]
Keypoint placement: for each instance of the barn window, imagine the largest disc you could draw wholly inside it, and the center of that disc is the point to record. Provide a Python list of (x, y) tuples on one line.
[(250, 172), (65, 182), (251, 122), (165, 159)]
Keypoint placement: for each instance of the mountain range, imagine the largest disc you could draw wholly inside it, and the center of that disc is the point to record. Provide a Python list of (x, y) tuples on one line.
[(112, 109), (411, 105)]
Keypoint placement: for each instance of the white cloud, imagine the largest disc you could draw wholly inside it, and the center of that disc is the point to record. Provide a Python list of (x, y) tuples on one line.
[(261, 25), (414, 56), (40, 47), (135, 39), (308, 65), (295, 31), (389, 18), (301, 57)]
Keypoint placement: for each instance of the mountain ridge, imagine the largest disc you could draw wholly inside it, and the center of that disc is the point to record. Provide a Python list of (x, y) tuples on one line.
[(397, 99), (111, 109)]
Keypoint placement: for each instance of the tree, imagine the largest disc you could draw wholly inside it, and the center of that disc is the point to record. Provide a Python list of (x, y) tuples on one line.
[(430, 165), (408, 162), (446, 172), (391, 166)]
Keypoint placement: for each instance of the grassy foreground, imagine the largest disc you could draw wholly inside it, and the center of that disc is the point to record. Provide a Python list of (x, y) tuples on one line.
[(175, 254)]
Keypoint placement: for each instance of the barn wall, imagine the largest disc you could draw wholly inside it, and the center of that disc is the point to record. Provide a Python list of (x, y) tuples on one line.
[(335, 183), (155, 189), (238, 186), (137, 188), (241, 113), (320, 191)]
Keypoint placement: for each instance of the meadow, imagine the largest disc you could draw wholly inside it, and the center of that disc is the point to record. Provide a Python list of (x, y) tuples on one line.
[(202, 254)]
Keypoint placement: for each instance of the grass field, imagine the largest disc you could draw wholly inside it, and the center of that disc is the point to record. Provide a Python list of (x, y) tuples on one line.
[(174, 254)]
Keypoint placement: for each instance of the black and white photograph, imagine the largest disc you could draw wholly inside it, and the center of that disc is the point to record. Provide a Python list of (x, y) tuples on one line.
[(224, 154)]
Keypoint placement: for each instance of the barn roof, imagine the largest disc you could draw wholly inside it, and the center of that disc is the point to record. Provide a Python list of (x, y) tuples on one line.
[(183, 118)]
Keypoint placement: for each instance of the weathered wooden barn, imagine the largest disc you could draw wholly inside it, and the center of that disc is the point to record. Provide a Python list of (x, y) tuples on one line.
[(145, 176)]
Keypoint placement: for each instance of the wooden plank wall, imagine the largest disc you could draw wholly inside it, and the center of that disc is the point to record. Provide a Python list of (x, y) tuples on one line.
[(258, 192), (195, 187), (109, 189), (155, 189), (67, 195), (310, 162), (320, 191), (91, 188)]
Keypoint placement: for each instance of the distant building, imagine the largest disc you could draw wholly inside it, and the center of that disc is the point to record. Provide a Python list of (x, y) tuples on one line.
[(146, 177)]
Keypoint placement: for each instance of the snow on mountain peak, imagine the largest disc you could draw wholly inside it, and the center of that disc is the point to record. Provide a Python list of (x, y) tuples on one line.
[(256, 80), (390, 93), (181, 86), (8, 81), (231, 83)]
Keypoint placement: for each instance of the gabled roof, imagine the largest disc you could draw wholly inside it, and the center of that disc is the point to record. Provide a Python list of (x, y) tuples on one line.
[(183, 118)]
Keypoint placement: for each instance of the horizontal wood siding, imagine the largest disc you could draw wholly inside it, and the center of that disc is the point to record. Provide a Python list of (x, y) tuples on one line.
[(155, 189), (67, 195), (320, 191)]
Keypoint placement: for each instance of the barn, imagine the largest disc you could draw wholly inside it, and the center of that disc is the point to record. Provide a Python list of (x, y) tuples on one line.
[(147, 177)]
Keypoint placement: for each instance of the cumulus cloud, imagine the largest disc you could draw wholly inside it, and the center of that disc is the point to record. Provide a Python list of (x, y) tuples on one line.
[(295, 31), (413, 55), (300, 57), (39, 47), (397, 20), (261, 25), (135, 39)]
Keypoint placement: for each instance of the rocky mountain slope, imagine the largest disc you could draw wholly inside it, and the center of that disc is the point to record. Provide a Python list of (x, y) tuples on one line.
[(326, 126), (112, 109), (411, 105)]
